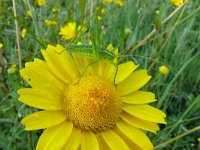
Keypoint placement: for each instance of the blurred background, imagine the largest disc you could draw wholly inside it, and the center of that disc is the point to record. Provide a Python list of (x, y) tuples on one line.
[(151, 33)]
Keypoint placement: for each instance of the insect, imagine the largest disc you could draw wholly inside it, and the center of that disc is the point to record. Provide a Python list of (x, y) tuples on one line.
[(96, 52)]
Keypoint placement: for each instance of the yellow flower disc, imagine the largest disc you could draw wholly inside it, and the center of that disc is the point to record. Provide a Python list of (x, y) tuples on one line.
[(92, 104)]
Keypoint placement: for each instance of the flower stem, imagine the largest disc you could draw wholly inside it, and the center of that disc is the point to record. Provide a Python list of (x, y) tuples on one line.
[(17, 35)]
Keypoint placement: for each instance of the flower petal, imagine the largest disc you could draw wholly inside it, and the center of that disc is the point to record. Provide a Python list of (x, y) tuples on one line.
[(89, 141), (145, 112), (54, 138), (74, 140), (108, 70), (115, 51), (136, 135), (60, 63), (102, 143), (114, 141), (43, 119), (139, 97), (40, 99), (82, 63), (139, 123), (105, 69), (134, 82), (124, 70), (38, 75)]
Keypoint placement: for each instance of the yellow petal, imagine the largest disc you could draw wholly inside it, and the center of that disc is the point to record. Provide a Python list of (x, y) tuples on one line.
[(82, 63), (114, 141), (104, 69), (139, 97), (139, 123), (54, 138), (43, 119), (74, 140), (145, 112), (133, 83), (60, 63), (136, 135), (38, 75), (89, 141), (115, 51), (108, 70), (102, 144), (110, 47), (124, 70), (40, 99), (129, 142)]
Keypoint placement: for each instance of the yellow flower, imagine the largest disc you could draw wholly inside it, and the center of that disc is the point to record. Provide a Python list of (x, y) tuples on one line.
[(127, 31), (83, 106), (89, 42), (12, 69), (107, 1), (99, 18), (158, 12), (23, 32), (50, 22), (164, 70), (1, 45), (103, 11), (119, 3), (41, 2), (97, 8), (198, 139), (28, 13), (68, 32), (54, 10), (79, 43), (177, 2)]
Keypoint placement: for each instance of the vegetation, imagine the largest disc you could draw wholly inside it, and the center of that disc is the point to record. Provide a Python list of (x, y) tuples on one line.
[(150, 33)]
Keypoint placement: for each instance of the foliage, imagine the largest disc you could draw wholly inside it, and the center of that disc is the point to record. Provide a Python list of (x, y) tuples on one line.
[(174, 43)]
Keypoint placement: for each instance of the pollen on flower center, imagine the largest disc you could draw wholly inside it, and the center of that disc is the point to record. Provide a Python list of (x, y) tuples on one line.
[(92, 104)]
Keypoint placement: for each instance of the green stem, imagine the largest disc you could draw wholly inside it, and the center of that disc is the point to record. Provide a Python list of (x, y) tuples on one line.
[(17, 35), (36, 25)]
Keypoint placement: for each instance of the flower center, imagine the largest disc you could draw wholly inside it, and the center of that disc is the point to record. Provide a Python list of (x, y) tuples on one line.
[(93, 104)]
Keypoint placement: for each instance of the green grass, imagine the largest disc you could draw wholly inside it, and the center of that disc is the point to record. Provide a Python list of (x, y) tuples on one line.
[(176, 43)]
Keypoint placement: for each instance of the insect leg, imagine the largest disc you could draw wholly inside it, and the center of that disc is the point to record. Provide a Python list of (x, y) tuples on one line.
[(116, 66), (85, 69)]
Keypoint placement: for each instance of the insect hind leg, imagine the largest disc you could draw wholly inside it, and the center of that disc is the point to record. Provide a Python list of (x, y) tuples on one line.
[(116, 67)]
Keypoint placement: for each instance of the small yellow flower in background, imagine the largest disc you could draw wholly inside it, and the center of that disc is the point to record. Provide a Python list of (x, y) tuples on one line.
[(88, 109), (164, 70), (97, 8), (54, 10), (28, 13), (127, 31), (103, 11), (99, 18), (90, 42), (24, 31), (1, 45), (41, 2), (68, 32), (198, 139), (12, 69), (107, 1), (119, 3), (177, 2), (79, 43), (50, 22), (158, 12)]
